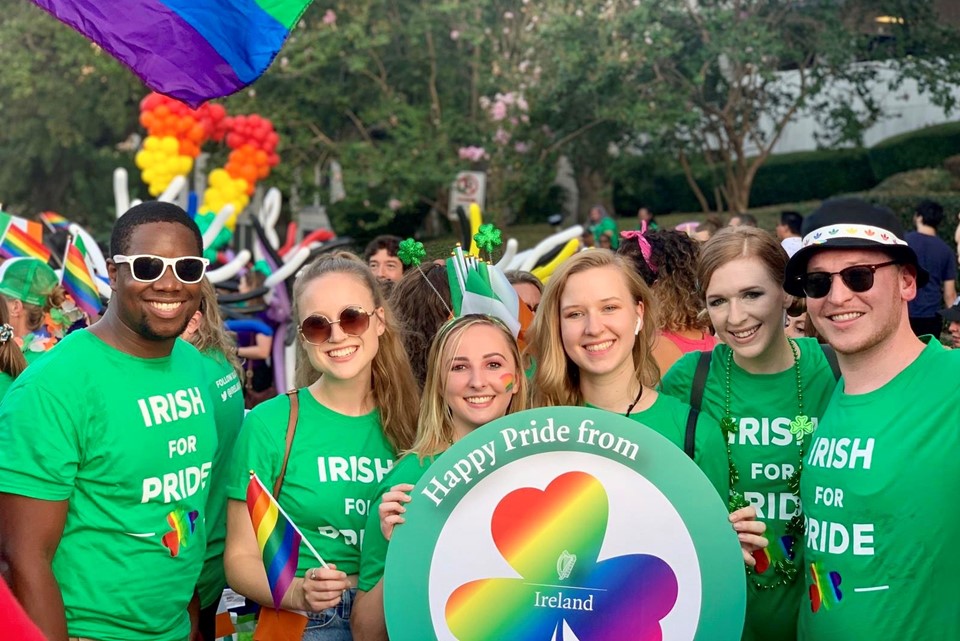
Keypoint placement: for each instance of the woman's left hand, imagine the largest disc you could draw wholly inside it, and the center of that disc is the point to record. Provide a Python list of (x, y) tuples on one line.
[(750, 532)]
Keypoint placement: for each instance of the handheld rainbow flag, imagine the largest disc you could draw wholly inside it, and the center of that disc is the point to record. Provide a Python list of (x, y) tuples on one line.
[(192, 50), (279, 539), (22, 238), (78, 281), (54, 221)]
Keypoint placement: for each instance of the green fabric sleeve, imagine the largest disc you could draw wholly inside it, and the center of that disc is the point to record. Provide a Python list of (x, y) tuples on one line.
[(679, 378), (258, 448)]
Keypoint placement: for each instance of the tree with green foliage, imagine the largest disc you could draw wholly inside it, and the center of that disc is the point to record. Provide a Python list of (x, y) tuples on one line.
[(66, 105)]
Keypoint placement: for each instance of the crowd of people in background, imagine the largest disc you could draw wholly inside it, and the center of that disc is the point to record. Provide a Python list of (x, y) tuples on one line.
[(801, 370)]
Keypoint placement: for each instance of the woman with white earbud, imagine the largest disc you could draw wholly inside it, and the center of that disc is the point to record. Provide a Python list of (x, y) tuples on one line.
[(586, 354)]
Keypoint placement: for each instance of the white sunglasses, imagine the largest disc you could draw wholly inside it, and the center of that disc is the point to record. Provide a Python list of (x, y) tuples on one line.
[(147, 268)]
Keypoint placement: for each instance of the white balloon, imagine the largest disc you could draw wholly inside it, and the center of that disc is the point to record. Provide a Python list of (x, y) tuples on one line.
[(288, 268), (174, 189), (121, 193), (94, 254), (518, 259), (508, 253), (135, 202), (231, 269), (289, 364), (270, 214), (549, 243), (214, 229), (103, 288)]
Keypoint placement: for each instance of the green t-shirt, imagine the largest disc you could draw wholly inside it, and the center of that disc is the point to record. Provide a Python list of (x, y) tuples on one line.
[(5, 382), (879, 484), (606, 224), (373, 556), (227, 394), (129, 443), (668, 418), (335, 466), (765, 453)]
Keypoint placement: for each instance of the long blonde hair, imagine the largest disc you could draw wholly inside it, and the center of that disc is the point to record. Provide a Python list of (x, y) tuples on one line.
[(557, 379), (394, 389), (211, 333), (12, 361), (435, 430)]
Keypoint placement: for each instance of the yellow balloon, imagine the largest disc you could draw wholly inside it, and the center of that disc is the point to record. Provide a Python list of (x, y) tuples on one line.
[(545, 271), (476, 219)]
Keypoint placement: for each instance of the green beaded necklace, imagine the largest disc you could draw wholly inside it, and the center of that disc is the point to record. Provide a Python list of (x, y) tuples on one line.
[(800, 427)]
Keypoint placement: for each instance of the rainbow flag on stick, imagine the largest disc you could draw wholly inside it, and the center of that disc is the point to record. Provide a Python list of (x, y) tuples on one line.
[(279, 539), (191, 50), (22, 238), (54, 221), (77, 279)]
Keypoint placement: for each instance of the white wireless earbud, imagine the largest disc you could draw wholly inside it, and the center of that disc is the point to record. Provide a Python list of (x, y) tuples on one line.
[(636, 331)]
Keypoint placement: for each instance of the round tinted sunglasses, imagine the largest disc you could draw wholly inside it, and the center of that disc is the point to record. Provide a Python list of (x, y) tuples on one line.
[(857, 278), (147, 268), (317, 329)]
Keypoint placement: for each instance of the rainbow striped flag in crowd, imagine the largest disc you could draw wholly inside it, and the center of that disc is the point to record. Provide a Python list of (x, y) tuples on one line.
[(192, 50), (22, 238), (54, 221), (77, 279), (278, 538)]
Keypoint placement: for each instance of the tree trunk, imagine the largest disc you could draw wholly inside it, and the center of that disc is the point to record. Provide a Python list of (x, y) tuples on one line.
[(594, 189)]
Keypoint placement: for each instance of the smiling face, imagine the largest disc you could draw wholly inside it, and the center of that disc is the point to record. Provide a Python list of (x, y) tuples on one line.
[(857, 322), (746, 307), (481, 377), (342, 357), (157, 311), (598, 321), (386, 267)]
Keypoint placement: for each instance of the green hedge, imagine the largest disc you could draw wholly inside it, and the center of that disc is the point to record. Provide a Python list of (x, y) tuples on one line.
[(927, 147), (904, 205), (795, 177)]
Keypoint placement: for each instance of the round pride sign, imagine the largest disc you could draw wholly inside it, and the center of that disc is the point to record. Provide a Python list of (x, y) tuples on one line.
[(566, 524)]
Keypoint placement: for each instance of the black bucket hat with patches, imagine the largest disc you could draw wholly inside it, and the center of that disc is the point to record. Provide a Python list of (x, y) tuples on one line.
[(850, 223)]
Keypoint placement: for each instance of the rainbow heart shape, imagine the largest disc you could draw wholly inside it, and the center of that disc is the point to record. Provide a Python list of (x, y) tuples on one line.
[(552, 538)]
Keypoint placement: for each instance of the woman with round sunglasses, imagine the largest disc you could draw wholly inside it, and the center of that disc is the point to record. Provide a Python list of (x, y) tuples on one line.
[(592, 339), (357, 408), (474, 376), (768, 392)]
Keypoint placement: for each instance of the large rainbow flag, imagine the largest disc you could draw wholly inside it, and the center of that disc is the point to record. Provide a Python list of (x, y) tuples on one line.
[(278, 538), (192, 50), (78, 281), (22, 238)]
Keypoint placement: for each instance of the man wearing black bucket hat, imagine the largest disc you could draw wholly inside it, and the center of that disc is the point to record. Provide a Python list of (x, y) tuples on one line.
[(880, 480)]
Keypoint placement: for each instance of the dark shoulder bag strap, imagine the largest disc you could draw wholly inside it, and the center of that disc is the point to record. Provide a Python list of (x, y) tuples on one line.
[(696, 401), (291, 428), (831, 356)]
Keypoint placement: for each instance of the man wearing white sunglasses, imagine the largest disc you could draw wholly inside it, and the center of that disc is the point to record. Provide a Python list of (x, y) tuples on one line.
[(880, 477), (106, 447)]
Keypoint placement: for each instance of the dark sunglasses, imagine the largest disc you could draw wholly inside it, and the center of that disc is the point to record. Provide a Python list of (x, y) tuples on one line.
[(317, 329), (147, 268), (857, 278)]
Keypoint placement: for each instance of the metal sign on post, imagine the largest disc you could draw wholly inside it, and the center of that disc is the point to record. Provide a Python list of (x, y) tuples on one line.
[(469, 187)]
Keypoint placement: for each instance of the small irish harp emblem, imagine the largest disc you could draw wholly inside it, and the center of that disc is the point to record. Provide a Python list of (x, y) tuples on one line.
[(565, 563)]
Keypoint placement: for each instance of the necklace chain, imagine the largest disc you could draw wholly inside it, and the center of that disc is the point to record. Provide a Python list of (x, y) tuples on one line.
[(800, 427)]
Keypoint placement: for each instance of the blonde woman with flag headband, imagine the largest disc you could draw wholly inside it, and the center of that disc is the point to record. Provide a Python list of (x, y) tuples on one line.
[(768, 392), (474, 376), (592, 340), (329, 444)]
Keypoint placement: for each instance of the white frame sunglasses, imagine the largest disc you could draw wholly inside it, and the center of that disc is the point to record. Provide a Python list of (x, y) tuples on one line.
[(119, 259)]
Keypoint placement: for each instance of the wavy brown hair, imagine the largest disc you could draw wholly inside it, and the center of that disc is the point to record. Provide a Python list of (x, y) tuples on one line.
[(394, 389), (557, 379), (420, 312), (673, 277), (36, 313), (11, 358), (211, 334)]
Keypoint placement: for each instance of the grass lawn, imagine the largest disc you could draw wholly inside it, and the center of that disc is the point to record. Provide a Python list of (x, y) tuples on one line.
[(529, 235)]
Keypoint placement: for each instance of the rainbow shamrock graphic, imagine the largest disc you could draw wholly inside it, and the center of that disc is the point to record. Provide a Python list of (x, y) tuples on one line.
[(182, 526), (553, 538)]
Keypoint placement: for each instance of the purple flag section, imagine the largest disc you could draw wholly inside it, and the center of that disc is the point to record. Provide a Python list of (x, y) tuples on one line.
[(173, 52)]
